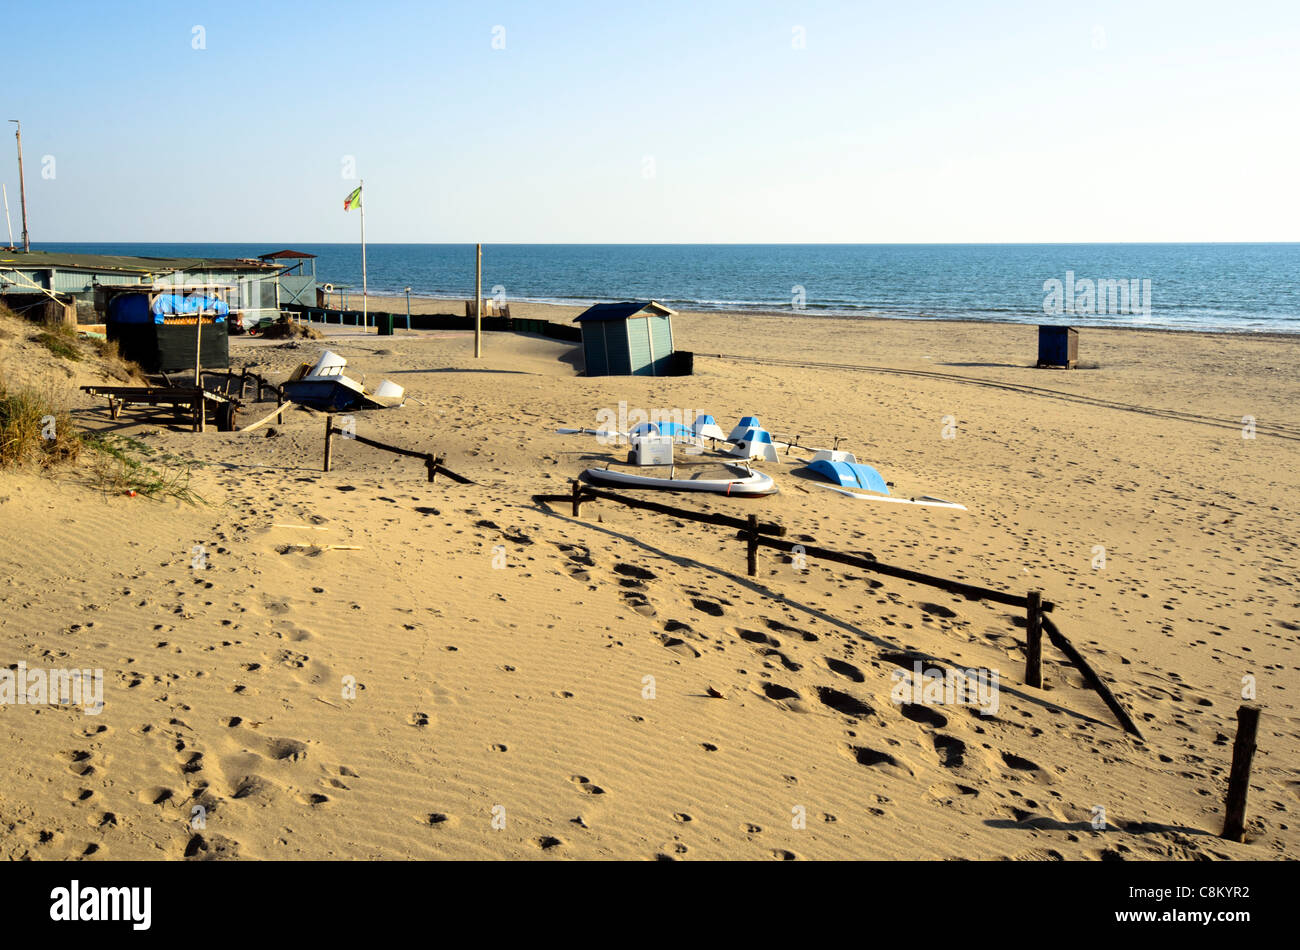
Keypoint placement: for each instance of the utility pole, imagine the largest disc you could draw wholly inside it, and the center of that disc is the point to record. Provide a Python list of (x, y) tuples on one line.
[(22, 184)]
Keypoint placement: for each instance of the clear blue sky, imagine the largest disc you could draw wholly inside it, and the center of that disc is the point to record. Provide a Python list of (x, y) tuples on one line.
[(926, 121)]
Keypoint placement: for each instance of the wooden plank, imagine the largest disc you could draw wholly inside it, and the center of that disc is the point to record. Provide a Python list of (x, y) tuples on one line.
[(278, 411)]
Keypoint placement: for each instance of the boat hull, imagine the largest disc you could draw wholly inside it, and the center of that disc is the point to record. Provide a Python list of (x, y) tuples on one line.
[(326, 395), (751, 485)]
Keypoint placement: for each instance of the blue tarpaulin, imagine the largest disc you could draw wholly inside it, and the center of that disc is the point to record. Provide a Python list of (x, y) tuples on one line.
[(180, 304)]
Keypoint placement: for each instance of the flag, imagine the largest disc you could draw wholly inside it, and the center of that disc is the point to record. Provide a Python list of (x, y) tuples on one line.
[(353, 200)]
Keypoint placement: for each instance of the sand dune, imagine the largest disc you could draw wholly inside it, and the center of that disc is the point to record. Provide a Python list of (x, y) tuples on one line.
[(502, 654)]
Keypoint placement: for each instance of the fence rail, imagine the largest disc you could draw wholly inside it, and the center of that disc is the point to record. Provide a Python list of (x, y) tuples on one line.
[(758, 534), (433, 463)]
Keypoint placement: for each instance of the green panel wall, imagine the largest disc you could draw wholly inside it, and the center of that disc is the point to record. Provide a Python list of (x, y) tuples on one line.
[(661, 335), (616, 342), (638, 345), (593, 349)]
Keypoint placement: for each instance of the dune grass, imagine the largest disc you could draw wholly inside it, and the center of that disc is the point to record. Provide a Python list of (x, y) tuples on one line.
[(120, 468), (61, 340), (35, 429)]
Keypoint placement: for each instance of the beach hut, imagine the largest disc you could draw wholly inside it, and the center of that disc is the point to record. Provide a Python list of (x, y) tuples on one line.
[(297, 276), (628, 339), (1058, 346)]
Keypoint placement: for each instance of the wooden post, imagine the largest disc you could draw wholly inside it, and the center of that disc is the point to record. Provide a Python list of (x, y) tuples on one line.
[(431, 464), (329, 438), (1243, 751), (751, 538), (198, 349), (577, 498), (478, 300), (1034, 640)]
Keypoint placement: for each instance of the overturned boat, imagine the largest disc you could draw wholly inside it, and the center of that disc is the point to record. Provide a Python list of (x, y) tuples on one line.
[(742, 480), (324, 386)]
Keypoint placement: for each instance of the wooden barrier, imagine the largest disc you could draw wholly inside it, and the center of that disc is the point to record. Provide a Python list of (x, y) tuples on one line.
[(756, 534), (1092, 677), (583, 493), (432, 463), (448, 321)]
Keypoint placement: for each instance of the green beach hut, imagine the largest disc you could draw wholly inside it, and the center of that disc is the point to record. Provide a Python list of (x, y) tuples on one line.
[(627, 339)]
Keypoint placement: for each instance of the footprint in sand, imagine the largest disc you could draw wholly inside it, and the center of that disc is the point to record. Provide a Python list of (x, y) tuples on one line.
[(922, 714), (290, 750), (847, 670), (951, 750), (842, 702), (707, 606), (869, 757), (1019, 763), (586, 785), (756, 636), (781, 695), (778, 627), (253, 787), (677, 645)]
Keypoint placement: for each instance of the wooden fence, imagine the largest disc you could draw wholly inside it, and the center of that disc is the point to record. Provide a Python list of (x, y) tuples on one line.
[(758, 535), (433, 463)]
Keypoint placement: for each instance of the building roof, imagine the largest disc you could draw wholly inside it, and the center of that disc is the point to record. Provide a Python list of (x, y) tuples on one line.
[(119, 264), (280, 255), (623, 311)]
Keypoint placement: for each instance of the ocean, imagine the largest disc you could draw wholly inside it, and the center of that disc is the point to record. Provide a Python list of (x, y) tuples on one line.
[(1215, 287)]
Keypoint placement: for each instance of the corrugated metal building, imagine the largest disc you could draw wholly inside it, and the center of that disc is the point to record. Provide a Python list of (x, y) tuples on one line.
[(252, 294), (627, 339)]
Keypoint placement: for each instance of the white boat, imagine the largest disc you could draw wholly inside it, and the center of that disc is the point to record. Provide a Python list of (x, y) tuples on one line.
[(324, 386), (747, 482)]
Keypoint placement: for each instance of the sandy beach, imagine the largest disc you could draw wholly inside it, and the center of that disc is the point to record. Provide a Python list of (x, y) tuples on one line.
[(361, 664)]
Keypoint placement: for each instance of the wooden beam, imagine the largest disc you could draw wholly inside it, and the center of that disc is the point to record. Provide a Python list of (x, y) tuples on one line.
[(277, 413)]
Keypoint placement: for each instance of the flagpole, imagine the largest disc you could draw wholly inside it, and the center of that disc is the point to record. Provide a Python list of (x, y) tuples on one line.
[(365, 308)]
